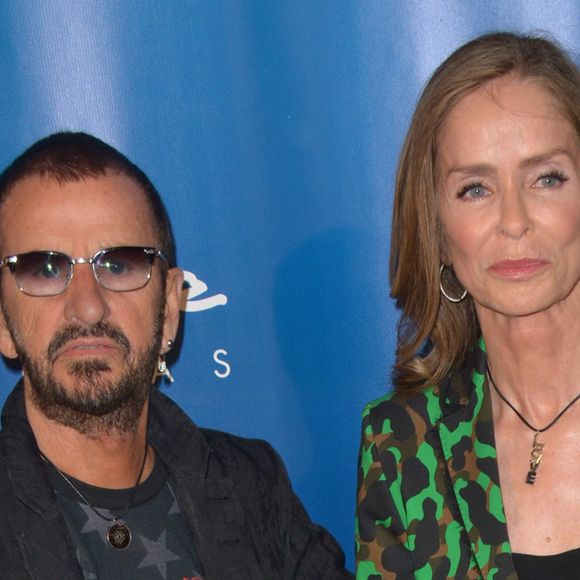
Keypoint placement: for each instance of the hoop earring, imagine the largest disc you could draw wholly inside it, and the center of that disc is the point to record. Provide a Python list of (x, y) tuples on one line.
[(450, 298)]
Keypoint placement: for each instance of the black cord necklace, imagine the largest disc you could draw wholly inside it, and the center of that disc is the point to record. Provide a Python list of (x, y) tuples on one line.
[(118, 534), (537, 447)]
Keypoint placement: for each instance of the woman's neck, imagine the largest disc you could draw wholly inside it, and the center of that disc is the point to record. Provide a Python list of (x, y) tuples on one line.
[(535, 359)]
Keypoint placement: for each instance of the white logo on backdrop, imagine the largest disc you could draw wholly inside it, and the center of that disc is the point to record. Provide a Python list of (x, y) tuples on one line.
[(227, 369), (189, 297), (191, 302)]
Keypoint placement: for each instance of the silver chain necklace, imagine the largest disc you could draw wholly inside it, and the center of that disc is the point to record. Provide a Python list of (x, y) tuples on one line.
[(118, 534)]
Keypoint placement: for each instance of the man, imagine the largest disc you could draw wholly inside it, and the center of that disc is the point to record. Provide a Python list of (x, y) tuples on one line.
[(101, 476)]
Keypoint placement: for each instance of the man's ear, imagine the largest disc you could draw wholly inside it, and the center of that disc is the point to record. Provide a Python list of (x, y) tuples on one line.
[(7, 346), (173, 291)]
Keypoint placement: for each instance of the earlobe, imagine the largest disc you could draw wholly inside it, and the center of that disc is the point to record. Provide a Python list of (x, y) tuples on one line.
[(444, 257), (173, 291)]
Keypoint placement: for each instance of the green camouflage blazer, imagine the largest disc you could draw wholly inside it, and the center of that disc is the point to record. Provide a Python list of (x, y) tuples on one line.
[(429, 501)]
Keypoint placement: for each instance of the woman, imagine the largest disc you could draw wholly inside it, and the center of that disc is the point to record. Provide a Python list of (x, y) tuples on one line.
[(470, 468)]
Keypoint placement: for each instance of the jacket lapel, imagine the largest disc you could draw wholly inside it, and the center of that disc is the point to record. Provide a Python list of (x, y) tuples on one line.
[(468, 444), (207, 496), (40, 530)]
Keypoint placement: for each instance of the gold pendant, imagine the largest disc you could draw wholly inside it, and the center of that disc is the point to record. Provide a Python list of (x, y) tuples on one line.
[(537, 454)]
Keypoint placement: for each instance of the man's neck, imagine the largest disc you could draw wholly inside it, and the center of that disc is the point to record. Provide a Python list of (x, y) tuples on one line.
[(107, 460)]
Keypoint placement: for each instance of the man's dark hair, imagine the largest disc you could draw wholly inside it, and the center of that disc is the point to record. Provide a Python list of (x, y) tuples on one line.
[(67, 157)]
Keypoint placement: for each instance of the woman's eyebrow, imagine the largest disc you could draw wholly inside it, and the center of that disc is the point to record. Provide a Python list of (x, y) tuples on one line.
[(544, 157), (488, 169)]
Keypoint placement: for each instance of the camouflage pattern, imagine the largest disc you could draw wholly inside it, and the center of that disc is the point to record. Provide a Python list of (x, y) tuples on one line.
[(429, 501)]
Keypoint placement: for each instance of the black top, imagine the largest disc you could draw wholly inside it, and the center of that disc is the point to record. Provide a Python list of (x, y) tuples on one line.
[(564, 566), (161, 543)]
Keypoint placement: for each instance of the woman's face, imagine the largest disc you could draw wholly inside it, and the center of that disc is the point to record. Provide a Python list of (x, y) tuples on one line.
[(509, 198)]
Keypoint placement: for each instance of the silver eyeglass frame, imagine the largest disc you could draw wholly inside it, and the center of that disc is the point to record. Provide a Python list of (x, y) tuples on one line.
[(12, 261)]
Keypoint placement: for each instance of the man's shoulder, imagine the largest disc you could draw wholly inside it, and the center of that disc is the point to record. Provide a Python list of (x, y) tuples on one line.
[(229, 441), (227, 454), (243, 455), (170, 418)]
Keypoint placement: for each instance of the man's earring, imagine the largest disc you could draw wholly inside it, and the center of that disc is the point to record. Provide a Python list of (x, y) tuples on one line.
[(162, 368)]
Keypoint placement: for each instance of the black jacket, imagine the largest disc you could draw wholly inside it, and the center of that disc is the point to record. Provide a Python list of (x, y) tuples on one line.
[(246, 521)]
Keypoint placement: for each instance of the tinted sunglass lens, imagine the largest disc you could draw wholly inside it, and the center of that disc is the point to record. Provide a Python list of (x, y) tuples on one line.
[(42, 273), (123, 269)]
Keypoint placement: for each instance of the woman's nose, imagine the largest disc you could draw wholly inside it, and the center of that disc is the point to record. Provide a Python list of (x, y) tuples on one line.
[(514, 220)]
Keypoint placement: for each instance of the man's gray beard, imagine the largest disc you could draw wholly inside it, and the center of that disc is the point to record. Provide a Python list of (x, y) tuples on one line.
[(97, 405)]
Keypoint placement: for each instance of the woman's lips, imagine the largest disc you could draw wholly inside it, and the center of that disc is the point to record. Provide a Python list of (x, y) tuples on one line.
[(519, 269)]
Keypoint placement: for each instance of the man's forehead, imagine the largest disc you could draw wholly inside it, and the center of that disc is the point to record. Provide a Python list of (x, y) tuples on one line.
[(109, 209)]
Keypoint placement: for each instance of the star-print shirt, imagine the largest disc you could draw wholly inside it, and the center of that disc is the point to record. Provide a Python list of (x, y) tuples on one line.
[(161, 546)]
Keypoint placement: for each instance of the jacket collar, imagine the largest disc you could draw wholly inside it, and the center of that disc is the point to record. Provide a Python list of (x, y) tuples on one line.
[(212, 490), (468, 443), (25, 468), (39, 528), (206, 494), (174, 437)]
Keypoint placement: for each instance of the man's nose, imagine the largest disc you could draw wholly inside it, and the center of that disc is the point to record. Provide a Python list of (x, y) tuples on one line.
[(85, 298)]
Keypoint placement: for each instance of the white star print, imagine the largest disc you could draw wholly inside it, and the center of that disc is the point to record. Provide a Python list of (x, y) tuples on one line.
[(157, 554), (94, 523), (174, 508)]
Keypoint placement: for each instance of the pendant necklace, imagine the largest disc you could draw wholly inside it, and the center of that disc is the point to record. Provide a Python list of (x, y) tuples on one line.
[(537, 448), (118, 534)]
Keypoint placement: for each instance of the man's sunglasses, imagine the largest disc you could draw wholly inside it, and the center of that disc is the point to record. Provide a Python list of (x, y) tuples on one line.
[(49, 273)]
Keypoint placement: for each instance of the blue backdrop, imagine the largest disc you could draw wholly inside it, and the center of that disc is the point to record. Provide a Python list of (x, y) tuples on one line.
[(272, 130)]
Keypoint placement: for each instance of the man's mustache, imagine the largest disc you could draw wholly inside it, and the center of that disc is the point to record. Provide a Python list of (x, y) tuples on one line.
[(72, 332)]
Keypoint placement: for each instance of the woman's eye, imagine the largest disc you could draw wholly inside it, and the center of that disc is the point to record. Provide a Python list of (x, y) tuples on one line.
[(473, 191), (551, 179)]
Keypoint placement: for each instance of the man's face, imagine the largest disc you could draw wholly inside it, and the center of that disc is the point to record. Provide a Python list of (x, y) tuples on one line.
[(89, 353)]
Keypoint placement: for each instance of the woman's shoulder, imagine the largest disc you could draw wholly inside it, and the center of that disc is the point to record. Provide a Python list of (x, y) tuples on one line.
[(397, 412)]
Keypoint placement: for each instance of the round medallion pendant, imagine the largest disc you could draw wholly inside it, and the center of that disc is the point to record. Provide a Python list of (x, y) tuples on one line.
[(119, 536)]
